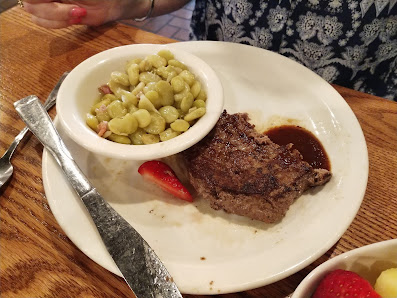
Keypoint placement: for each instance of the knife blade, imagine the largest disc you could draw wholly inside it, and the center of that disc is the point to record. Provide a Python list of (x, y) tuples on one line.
[(141, 268)]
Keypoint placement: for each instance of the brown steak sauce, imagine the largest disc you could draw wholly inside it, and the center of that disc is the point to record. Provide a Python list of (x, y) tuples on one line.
[(304, 141)]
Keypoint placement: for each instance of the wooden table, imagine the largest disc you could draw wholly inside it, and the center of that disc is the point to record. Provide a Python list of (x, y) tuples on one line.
[(38, 260)]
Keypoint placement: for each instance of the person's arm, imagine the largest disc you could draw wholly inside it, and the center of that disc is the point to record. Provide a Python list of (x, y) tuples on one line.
[(163, 6), (60, 14)]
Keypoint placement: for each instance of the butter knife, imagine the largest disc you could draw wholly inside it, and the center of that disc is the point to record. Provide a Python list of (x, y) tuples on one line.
[(143, 271)]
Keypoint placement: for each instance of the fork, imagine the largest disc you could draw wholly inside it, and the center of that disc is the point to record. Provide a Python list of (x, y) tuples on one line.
[(6, 168)]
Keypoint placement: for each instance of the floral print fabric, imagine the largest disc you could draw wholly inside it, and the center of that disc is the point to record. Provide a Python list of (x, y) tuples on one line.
[(352, 43)]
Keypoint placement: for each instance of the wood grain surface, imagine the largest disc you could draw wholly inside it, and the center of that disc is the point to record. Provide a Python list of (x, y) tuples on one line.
[(38, 260)]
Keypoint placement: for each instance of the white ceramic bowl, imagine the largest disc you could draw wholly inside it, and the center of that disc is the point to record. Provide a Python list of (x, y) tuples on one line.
[(367, 261), (80, 89)]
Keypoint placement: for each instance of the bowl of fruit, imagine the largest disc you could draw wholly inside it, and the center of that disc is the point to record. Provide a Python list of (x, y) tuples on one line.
[(368, 271)]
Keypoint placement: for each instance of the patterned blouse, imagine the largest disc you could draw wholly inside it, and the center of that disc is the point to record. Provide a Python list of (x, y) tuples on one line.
[(352, 43)]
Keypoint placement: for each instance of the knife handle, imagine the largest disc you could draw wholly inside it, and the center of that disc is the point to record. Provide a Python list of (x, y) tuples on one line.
[(39, 122), (138, 263)]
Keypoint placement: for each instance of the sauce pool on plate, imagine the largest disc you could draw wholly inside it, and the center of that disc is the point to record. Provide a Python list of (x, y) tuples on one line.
[(304, 141)]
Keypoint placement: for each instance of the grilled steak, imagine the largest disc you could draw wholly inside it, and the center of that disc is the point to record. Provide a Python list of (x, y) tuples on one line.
[(243, 172)]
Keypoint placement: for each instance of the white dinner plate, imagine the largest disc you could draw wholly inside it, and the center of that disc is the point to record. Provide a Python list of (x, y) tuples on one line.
[(208, 251)]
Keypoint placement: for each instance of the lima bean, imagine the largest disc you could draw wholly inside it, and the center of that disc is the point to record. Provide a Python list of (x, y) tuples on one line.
[(154, 98), (169, 113), (143, 117), (133, 74), (197, 113), (187, 102), (116, 88), (177, 63), (167, 54), (116, 109), (123, 126), (166, 93), (136, 137), (146, 104), (199, 103), (157, 61), (148, 139), (100, 104), (128, 98), (92, 121), (188, 77), (180, 125), (168, 134), (119, 139), (195, 88), (120, 78), (157, 124)]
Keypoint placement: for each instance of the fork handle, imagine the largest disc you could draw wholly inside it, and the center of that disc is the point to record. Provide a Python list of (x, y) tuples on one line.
[(48, 104), (15, 143), (52, 98)]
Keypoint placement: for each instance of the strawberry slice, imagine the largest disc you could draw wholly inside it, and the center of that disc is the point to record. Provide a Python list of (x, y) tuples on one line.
[(343, 283), (162, 175)]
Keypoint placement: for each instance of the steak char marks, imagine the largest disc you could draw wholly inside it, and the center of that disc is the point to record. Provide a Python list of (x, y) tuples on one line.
[(243, 172)]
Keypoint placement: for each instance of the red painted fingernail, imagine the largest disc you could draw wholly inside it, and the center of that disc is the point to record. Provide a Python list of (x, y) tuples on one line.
[(75, 21), (78, 12)]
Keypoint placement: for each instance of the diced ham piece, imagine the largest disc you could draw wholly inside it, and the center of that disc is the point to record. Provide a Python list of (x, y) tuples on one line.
[(102, 128), (105, 89)]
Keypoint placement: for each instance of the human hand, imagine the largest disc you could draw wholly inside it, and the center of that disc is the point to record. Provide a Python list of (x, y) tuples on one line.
[(60, 14)]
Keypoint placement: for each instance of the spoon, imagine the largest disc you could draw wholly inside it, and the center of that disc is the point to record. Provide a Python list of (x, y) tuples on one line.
[(6, 168)]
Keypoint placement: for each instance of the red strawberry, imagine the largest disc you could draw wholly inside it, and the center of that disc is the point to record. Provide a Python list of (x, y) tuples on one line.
[(342, 283), (162, 175)]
